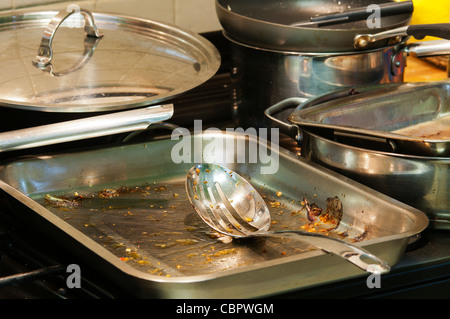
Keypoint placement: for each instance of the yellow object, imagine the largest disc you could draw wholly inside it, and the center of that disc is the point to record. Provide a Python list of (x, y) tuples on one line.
[(430, 11)]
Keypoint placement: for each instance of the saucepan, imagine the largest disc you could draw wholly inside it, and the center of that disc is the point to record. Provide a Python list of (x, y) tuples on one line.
[(277, 55)]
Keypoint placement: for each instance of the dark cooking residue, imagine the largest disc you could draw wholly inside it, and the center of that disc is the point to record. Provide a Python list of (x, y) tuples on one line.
[(353, 92), (332, 215), (63, 201)]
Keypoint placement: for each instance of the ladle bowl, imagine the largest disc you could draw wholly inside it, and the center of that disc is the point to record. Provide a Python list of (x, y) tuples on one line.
[(229, 204)]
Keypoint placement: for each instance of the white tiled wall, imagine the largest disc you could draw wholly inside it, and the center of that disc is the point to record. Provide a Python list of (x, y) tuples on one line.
[(195, 15)]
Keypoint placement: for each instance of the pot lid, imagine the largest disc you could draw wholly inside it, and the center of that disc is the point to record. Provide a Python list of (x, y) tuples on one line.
[(80, 61)]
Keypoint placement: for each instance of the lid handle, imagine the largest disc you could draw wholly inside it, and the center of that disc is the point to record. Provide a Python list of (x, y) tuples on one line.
[(45, 52)]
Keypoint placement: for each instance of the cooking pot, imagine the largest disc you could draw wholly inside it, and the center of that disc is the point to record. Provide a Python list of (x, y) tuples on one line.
[(420, 181), (272, 59), (67, 65)]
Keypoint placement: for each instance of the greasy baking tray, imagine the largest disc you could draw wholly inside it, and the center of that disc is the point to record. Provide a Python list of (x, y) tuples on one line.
[(407, 118), (125, 211)]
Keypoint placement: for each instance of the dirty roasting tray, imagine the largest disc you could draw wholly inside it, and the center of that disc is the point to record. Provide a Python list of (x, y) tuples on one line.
[(131, 219)]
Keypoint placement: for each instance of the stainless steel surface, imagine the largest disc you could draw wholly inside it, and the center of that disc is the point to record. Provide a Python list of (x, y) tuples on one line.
[(287, 75), (388, 113), (419, 181), (428, 48), (297, 74), (140, 224), (136, 63), (232, 206), (95, 126), (306, 61), (267, 24)]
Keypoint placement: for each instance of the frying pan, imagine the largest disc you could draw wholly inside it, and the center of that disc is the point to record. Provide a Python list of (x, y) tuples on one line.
[(272, 25)]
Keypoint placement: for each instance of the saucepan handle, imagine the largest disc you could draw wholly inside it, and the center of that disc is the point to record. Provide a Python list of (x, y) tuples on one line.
[(90, 127), (420, 31), (286, 128), (45, 52), (428, 48)]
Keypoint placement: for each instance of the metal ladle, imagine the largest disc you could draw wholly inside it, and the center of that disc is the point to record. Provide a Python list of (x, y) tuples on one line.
[(230, 205)]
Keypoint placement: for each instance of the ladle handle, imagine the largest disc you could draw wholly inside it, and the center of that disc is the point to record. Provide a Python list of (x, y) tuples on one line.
[(353, 254)]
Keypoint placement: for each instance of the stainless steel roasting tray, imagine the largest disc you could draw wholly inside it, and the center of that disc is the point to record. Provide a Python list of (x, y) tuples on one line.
[(125, 210), (406, 118)]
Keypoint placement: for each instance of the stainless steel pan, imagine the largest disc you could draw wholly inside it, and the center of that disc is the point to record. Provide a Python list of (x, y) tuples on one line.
[(311, 61), (135, 224), (268, 24), (272, 25), (406, 118), (420, 181)]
